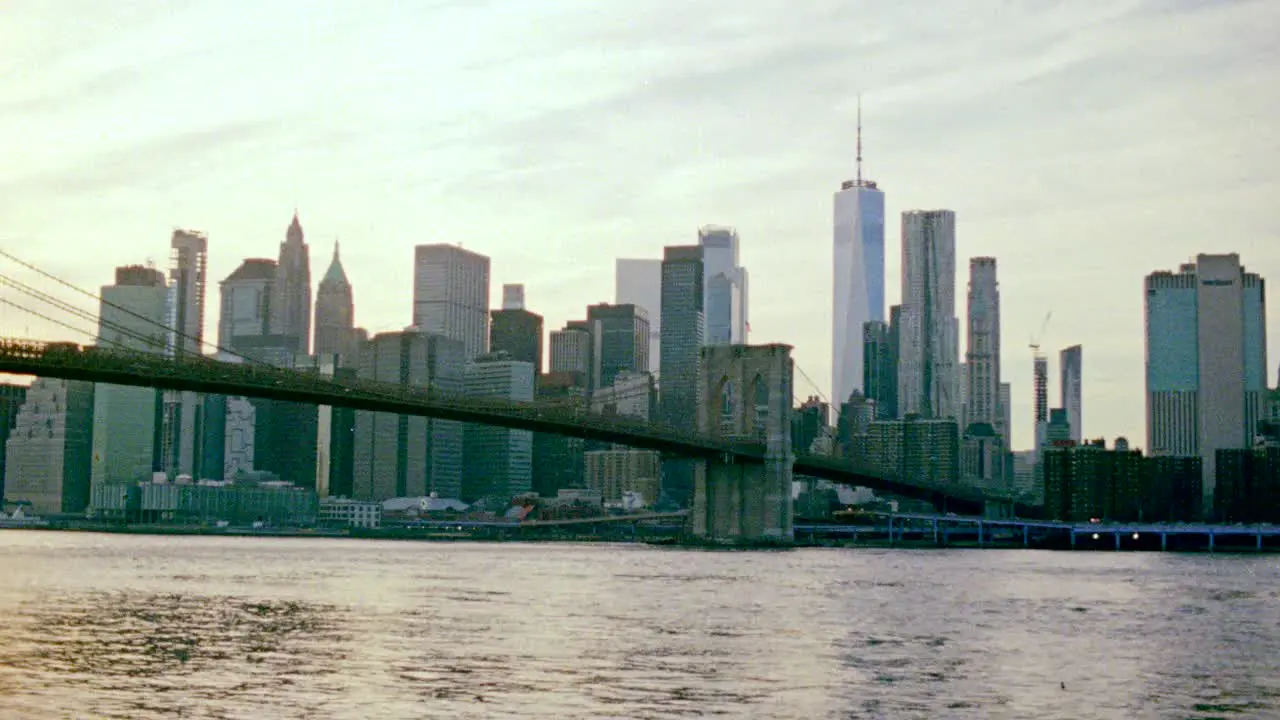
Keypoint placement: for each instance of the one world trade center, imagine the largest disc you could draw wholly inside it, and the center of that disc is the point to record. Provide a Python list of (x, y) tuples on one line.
[(858, 277)]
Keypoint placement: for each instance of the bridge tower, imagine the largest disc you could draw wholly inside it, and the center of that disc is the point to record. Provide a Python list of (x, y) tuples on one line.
[(746, 398)]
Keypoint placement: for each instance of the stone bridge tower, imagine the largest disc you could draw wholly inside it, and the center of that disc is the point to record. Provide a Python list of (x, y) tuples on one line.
[(746, 398)]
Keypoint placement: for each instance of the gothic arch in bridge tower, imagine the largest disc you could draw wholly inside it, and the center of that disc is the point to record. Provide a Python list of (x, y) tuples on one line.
[(724, 420), (746, 397), (757, 418)]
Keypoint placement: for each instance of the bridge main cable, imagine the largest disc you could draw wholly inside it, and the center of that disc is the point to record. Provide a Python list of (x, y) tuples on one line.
[(175, 331)]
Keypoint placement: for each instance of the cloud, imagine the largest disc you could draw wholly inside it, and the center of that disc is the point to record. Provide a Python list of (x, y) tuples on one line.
[(1083, 145), (157, 161)]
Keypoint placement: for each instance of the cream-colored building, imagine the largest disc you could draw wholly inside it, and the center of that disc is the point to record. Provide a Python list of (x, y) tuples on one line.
[(614, 472)]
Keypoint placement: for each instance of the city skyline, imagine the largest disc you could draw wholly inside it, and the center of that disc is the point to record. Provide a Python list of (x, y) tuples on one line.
[(1121, 174)]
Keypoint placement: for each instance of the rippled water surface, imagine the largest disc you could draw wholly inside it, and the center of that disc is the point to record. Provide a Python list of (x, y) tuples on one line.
[(149, 627)]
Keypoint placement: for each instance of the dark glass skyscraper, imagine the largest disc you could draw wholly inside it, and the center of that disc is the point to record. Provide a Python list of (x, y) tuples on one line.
[(558, 460), (399, 455), (620, 339), (880, 365), (683, 326), (516, 331)]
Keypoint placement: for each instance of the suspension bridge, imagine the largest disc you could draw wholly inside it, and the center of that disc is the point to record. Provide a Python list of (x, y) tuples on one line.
[(184, 365)]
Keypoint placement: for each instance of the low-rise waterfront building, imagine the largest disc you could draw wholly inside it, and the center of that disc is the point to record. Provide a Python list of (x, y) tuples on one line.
[(348, 513)]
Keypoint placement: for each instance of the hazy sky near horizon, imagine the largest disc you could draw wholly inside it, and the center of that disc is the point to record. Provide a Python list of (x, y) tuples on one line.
[(1082, 144)]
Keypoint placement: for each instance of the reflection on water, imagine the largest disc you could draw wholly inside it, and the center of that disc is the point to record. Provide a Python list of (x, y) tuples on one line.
[(133, 655), (150, 627)]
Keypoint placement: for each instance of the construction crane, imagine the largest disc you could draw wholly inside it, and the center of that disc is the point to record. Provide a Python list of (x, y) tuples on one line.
[(1035, 339), (1040, 383)]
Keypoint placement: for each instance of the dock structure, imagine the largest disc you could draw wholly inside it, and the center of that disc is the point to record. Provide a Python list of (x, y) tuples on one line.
[(952, 530)]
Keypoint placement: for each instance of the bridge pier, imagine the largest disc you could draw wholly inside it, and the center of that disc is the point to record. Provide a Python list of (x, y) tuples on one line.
[(746, 398)]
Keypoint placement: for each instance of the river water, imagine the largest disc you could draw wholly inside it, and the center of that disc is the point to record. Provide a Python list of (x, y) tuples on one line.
[(115, 626)]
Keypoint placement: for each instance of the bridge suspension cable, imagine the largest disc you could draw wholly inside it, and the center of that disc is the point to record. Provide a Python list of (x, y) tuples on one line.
[(66, 307), (107, 303), (44, 317), (70, 309), (67, 311), (814, 385), (125, 332)]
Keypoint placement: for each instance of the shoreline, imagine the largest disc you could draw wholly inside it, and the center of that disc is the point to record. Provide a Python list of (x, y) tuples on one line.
[(408, 535)]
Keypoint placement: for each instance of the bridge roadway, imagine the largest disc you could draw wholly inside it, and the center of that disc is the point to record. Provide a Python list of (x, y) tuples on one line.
[(202, 374)]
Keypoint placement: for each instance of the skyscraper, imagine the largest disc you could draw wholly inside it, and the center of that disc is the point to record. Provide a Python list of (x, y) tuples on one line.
[(557, 460), (1071, 366), (1206, 360), (499, 461), (291, 300), (571, 351), (11, 399), (399, 455), (880, 366), (258, 434), (180, 437), (682, 335), (1040, 393), (858, 276), (982, 361), (188, 260), (335, 315), (724, 286), (451, 295), (620, 342), (131, 316), (928, 381), (1006, 412), (244, 327), (246, 297), (516, 331), (47, 455), (639, 282)]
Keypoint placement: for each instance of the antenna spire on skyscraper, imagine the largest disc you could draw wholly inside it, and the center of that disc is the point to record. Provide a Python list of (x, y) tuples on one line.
[(859, 178)]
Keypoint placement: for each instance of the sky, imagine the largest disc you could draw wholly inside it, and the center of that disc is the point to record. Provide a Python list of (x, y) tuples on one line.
[(1082, 144)]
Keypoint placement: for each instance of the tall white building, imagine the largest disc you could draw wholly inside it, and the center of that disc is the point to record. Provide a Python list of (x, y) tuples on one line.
[(1071, 367), (188, 262), (132, 317), (639, 282), (1206, 360), (982, 361), (857, 276), (724, 286), (498, 461), (929, 351), (451, 295)]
